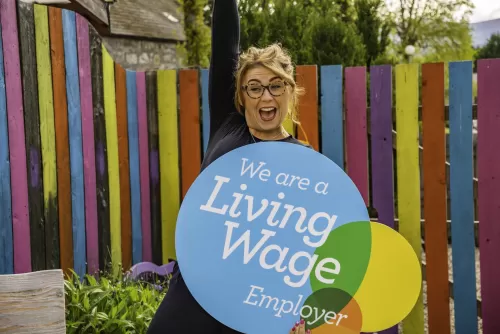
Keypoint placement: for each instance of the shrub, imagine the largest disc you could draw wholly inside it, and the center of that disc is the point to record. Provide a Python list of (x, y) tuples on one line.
[(110, 304)]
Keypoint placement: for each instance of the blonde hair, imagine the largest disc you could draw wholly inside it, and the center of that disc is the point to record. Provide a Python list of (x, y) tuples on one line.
[(276, 59)]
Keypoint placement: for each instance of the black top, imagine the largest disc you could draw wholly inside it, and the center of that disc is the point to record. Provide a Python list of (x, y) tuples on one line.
[(228, 128)]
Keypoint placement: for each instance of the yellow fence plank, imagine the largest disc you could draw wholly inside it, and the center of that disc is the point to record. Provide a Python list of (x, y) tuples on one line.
[(169, 159), (113, 161), (46, 104), (408, 177)]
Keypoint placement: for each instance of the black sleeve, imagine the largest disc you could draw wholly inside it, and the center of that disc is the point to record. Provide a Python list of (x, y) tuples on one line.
[(224, 57)]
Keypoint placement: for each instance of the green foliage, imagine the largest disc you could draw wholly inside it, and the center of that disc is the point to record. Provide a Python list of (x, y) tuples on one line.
[(438, 29), (110, 304), (196, 49), (491, 49), (374, 29)]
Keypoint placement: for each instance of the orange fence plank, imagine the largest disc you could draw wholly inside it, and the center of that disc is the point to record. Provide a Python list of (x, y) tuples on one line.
[(189, 119), (307, 77), (62, 140), (436, 233)]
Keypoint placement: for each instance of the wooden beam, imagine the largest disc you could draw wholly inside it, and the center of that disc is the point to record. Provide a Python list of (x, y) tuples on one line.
[(33, 302)]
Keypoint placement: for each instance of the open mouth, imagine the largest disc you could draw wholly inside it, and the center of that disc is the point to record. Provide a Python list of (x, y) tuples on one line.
[(267, 114)]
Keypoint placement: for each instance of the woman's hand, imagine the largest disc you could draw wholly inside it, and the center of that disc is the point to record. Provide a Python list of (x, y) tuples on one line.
[(300, 328)]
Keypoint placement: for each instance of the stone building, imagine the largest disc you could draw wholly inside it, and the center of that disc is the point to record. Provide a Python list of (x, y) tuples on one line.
[(139, 34)]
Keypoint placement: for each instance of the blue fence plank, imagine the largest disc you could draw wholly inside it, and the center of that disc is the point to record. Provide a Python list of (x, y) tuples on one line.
[(332, 133), (461, 196), (135, 178), (75, 142)]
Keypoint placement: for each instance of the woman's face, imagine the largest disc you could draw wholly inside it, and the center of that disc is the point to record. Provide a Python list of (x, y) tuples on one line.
[(265, 109)]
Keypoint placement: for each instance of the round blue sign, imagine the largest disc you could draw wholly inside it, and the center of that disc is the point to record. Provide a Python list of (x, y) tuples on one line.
[(252, 230)]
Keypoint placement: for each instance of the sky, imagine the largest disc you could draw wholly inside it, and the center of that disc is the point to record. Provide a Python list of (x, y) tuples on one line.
[(485, 10)]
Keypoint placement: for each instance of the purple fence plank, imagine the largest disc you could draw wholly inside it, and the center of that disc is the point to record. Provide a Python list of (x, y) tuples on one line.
[(86, 106), (17, 149), (356, 140), (488, 164), (147, 251)]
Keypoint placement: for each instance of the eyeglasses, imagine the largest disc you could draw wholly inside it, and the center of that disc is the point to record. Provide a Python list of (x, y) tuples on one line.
[(255, 91)]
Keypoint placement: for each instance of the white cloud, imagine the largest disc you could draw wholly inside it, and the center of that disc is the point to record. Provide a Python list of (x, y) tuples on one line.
[(485, 10)]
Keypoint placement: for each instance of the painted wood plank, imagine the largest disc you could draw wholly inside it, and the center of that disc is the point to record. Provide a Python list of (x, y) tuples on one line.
[(408, 175), (332, 114), (75, 142), (461, 197), (189, 124), (169, 155), (306, 76), (122, 130), (434, 177), (382, 149), (6, 246), (381, 143), (40, 260), (47, 136), (89, 171), (101, 158), (355, 123), (135, 177), (205, 108), (33, 303), (154, 165), (142, 125), (17, 148), (57, 105), (108, 74), (488, 165)]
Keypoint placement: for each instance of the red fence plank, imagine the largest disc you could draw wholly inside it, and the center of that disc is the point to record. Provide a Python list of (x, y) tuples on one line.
[(488, 164), (356, 131)]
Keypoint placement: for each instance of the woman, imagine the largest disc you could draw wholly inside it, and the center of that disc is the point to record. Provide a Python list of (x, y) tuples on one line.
[(245, 108)]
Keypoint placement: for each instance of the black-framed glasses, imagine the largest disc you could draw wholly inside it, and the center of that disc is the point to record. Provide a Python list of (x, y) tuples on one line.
[(256, 90)]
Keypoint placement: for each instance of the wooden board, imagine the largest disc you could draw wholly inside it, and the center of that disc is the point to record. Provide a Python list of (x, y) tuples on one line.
[(56, 107), (142, 125), (205, 109), (27, 47), (434, 175), (461, 198), (101, 159), (6, 244), (169, 159), (332, 114), (488, 165), (33, 303), (134, 166), (308, 105), (408, 175), (108, 74), (189, 126), (355, 124), (123, 156), (17, 148), (89, 171), (154, 166)]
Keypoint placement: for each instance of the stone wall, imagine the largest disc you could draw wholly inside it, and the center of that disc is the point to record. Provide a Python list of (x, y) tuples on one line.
[(141, 55)]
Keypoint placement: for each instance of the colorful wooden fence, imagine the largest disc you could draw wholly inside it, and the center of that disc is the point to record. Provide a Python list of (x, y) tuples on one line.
[(94, 159)]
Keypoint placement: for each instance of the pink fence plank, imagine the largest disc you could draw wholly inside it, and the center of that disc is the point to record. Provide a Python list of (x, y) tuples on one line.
[(488, 164), (147, 250), (86, 107), (356, 140), (20, 208)]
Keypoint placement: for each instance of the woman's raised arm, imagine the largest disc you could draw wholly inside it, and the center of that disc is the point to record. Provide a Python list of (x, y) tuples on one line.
[(224, 58)]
